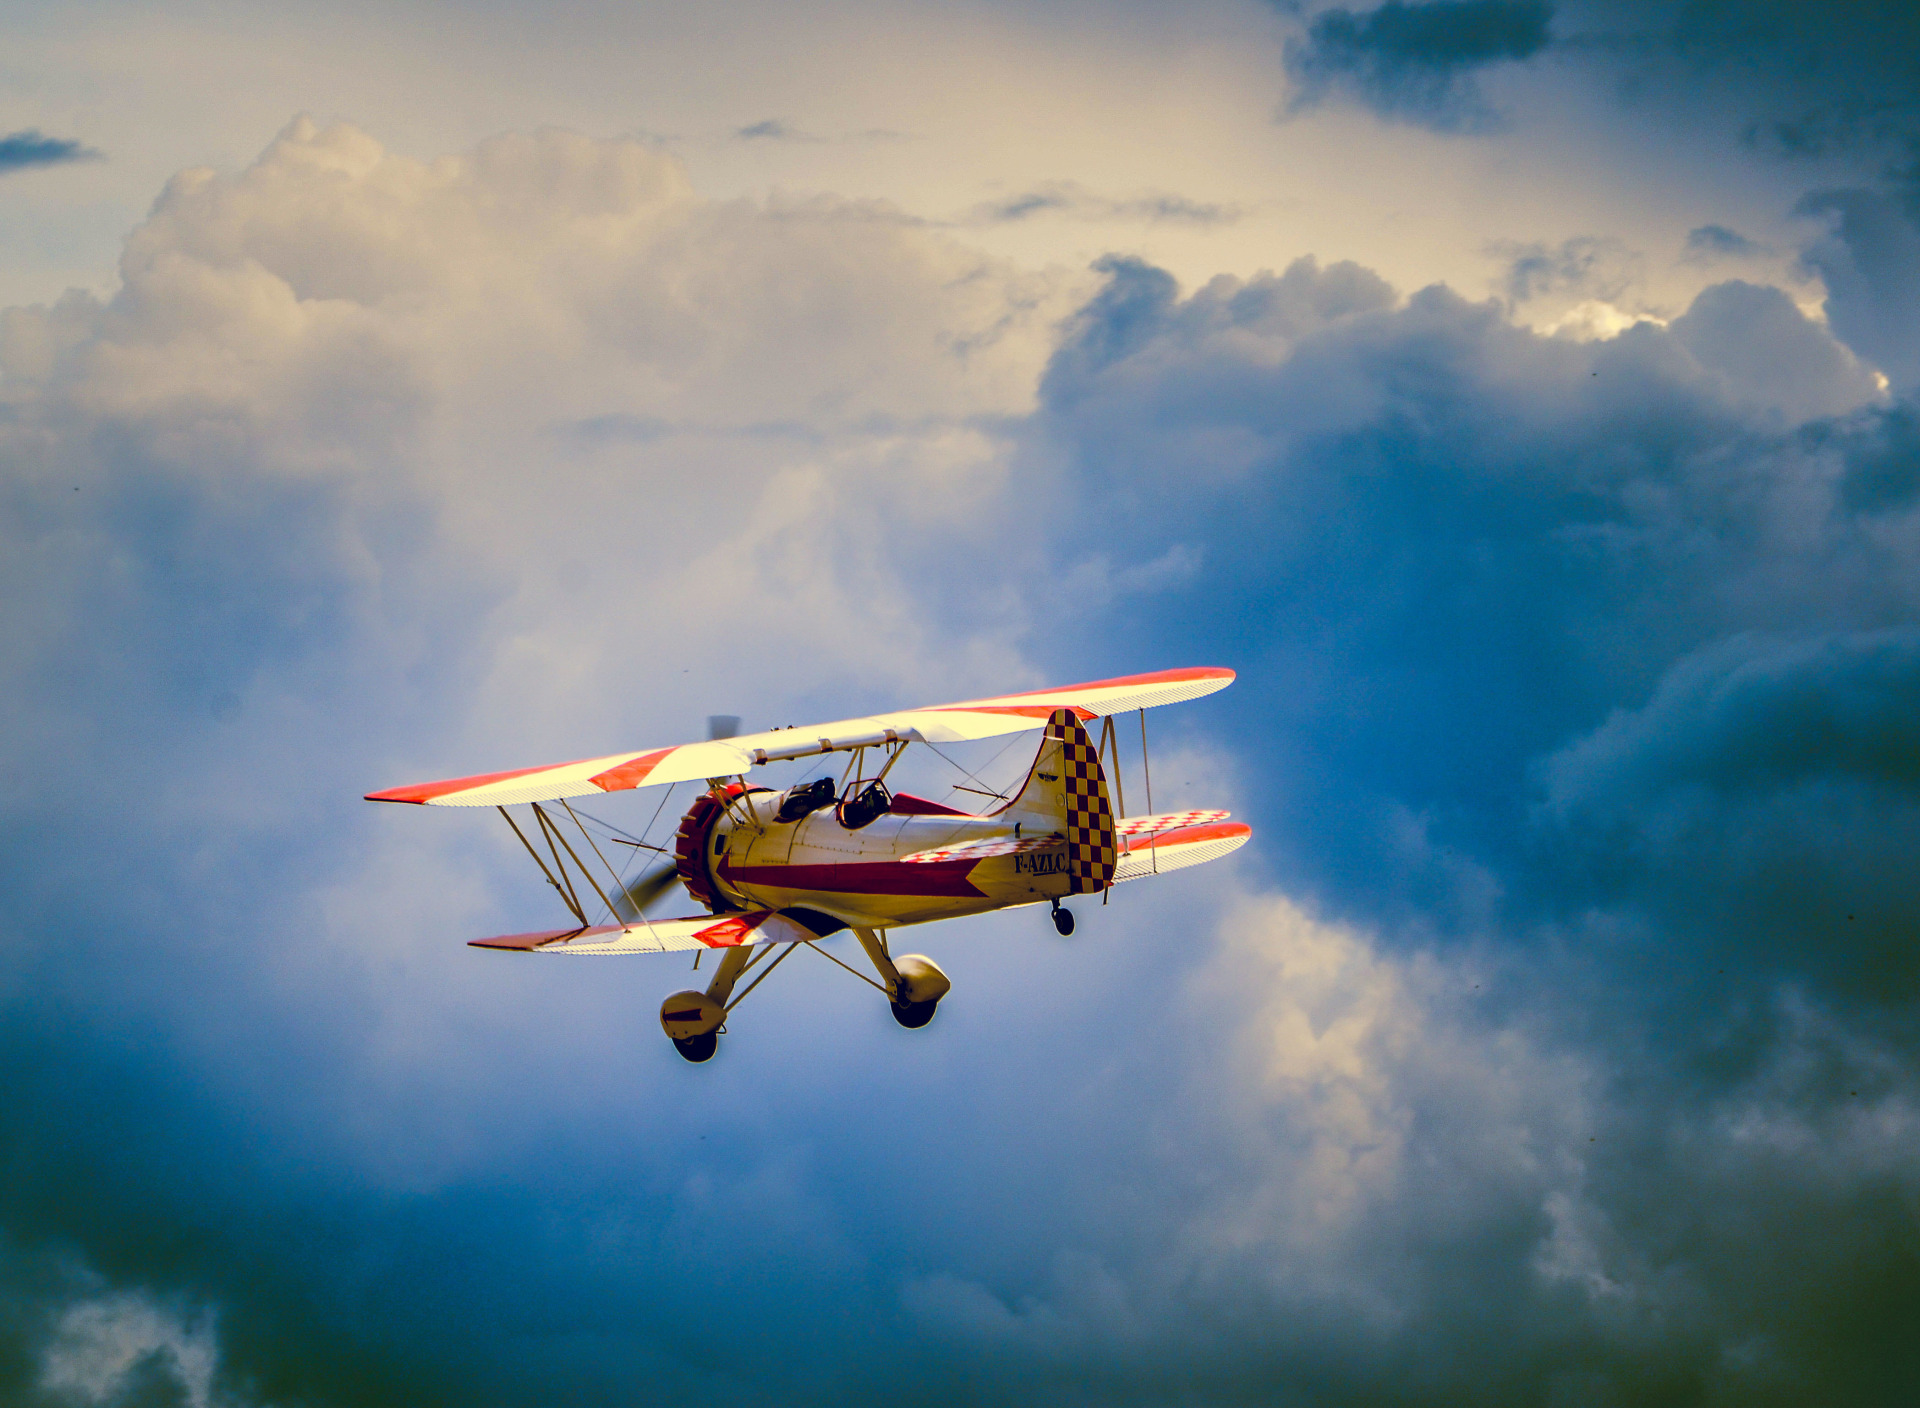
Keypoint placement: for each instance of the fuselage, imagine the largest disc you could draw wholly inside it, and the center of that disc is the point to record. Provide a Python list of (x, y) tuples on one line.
[(752, 860)]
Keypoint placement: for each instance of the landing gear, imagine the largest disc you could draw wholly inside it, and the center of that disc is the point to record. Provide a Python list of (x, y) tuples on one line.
[(914, 983), (914, 1014), (698, 1048), (692, 1020), (1062, 919)]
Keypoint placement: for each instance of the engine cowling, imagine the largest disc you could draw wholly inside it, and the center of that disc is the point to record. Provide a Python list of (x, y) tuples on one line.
[(690, 1014), (693, 847)]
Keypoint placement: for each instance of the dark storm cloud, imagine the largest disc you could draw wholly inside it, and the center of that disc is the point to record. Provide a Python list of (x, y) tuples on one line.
[(1794, 82), (1469, 543), (1605, 649), (1794, 764), (1415, 63), (19, 150)]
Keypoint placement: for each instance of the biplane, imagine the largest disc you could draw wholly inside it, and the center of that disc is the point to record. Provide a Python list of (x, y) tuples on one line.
[(780, 870)]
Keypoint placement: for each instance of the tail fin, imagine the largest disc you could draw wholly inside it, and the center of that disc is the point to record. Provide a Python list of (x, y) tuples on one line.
[(1066, 792)]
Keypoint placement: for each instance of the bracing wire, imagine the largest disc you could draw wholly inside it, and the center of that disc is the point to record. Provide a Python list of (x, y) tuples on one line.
[(983, 789)]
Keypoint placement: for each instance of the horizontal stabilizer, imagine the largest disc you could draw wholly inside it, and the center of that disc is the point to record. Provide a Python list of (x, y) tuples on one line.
[(1176, 848), (987, 846), (1133, 831), (1143, 826)]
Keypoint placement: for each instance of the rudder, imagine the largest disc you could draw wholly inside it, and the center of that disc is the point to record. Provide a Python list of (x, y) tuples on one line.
[(1067, 792)]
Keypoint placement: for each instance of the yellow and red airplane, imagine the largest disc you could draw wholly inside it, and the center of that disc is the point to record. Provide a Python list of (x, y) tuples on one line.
[(776, 870)]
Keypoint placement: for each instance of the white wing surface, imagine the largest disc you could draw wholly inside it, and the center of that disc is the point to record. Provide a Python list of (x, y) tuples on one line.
[(762, 926), (938, 723)]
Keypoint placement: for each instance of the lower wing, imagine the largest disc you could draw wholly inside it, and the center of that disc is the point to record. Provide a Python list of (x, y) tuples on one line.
[(759, 926)]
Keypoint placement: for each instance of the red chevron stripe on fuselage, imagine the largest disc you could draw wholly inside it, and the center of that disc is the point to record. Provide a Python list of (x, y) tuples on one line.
[(940, 880)]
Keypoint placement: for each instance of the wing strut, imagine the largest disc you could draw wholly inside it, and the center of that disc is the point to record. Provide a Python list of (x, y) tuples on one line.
[(559, 875), (1110, 747), (553, 832), (1146, 774), (566, 895)]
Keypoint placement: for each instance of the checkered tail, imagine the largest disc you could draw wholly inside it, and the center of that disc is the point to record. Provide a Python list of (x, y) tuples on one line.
[(1091, 849)]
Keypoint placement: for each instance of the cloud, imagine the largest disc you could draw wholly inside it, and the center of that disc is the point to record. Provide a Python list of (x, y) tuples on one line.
[(1869, 260), (1709, 242), (1073, 200), (1578, 670), (769, 129), (103, 1349), (1585, 286), (1770, 354), (298, 476), (1770, 788), (1438, 532), (375, 469), (27, 148), (773, 129), (1415, 63)]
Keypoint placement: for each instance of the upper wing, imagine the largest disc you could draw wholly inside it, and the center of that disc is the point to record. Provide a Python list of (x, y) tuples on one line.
[(938, 723), (759, 926)]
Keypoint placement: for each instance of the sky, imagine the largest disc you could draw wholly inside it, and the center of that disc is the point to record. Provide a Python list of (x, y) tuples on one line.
[(1522, 397)]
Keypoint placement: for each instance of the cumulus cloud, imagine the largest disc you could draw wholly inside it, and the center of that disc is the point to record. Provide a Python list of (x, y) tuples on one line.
[(287, 518), (1415, 63), (1869, 260), (1431, 505), (1600, 646), (1550, 650)]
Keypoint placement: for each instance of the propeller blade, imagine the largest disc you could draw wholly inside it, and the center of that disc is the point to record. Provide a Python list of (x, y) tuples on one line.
[(721, 726), (644, 891)]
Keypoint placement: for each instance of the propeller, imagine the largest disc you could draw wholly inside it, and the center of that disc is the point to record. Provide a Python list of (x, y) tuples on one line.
[(652, 884)]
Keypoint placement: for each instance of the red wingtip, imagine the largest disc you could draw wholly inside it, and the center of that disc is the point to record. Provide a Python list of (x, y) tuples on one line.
[(396, 794), (423, 792)]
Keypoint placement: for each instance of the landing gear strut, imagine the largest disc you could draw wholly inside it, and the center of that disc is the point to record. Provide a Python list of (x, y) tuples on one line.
[(914, 982), (692, 1019), (1062, 919)]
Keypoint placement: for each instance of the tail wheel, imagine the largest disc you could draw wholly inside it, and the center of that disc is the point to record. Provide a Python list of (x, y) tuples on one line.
[(697, 1048), (1062, 919)]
